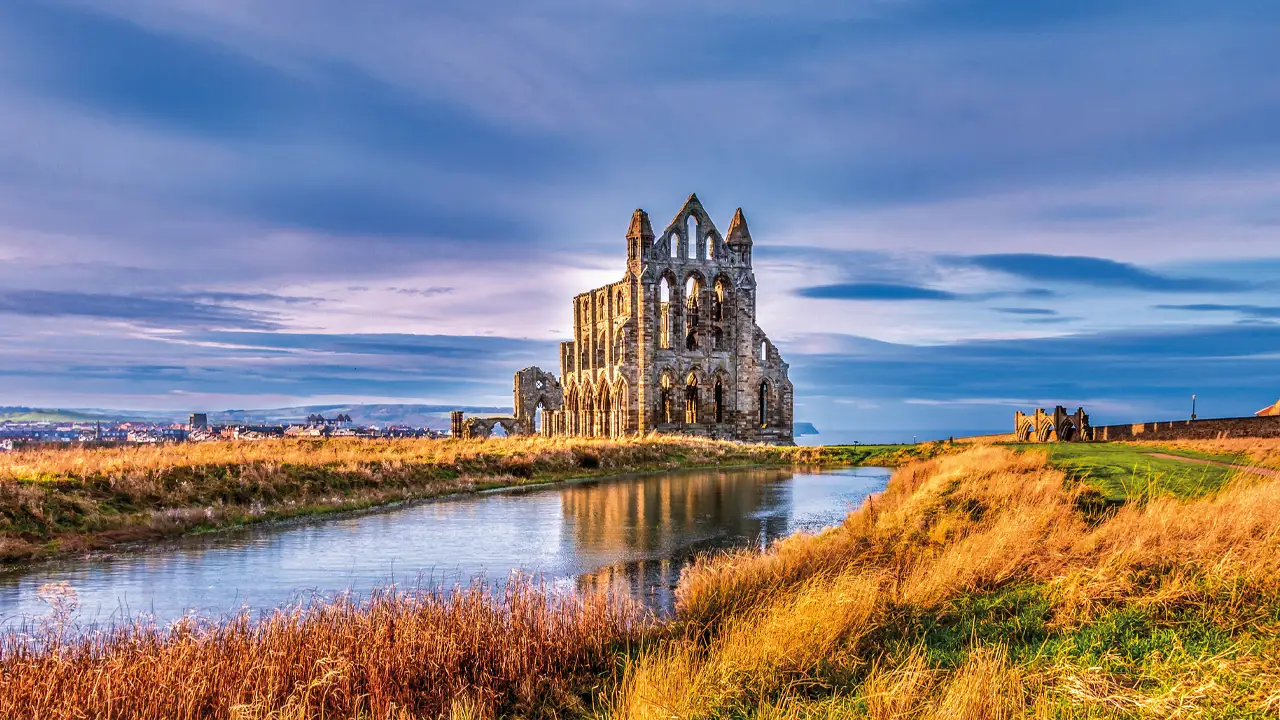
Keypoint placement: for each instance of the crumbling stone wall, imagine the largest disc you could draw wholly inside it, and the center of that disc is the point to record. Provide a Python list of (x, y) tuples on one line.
[(1266, 426), (1042, 426), (1056, 427), (673, 346), (536, 393), (482, 427)]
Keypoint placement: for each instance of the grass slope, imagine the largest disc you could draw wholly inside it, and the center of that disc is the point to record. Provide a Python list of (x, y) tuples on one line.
[(1121, 470), (973, 587)]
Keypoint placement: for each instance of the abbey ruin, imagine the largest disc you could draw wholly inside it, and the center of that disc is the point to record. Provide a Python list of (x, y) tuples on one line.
[(673, 347)]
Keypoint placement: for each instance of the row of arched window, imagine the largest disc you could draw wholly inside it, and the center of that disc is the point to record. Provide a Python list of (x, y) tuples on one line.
[(667, 408), (696, 331), (596, 412), (699, 246), (601, 355)]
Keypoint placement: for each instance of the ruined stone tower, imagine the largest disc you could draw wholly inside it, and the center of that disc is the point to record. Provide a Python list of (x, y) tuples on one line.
[(674, 347)]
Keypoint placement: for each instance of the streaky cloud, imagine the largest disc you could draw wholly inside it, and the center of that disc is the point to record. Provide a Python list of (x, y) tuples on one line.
[(1096, 272), (1253, 311), (141, 309), (900, 291), (1025, 311), (875, 291)]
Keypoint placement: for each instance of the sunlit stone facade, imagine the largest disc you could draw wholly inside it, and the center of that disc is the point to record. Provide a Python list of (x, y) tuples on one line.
[(673, 346)]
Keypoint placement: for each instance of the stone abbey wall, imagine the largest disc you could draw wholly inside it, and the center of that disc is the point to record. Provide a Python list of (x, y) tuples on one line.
[(1207, 429), (673, 346), (1059, 426)]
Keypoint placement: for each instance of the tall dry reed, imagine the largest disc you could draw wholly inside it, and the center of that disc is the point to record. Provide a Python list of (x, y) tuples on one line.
[(420, 655)]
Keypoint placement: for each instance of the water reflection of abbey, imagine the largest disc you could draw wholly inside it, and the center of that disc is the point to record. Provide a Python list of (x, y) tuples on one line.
[(660, 523)]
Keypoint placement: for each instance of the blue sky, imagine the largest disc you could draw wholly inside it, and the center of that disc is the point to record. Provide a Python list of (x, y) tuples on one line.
[(960, 208)]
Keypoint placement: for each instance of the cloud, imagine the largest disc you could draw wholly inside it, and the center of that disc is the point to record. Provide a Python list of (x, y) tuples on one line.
[(1254, 311), (1025, 311), (239, 297), (1140, 375), (225, 165), (896, 292), (874, 291), (1095, 272), (143, 310), (423, 292)]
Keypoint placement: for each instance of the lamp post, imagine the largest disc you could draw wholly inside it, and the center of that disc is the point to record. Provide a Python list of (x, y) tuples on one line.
[(1193, 407)]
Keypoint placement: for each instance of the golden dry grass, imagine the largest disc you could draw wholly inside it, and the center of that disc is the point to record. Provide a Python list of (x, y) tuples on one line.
[(459, 655), (1263, 452), (978, 585), (55, 462), (1186, 592), (71, 499)]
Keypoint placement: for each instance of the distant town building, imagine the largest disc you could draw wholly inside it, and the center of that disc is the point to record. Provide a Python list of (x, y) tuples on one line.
[(198, 420)]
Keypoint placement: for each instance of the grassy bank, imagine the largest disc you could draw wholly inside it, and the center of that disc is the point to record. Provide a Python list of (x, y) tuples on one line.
[(983, 584), (1123, 470), (56, 500), (976, 586)]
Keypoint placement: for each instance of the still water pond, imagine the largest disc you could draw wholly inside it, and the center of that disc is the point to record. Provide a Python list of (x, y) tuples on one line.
[(632, 533)]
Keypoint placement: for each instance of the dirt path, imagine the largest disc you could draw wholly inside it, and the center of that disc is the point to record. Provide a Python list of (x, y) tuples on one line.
[(1266, 472)]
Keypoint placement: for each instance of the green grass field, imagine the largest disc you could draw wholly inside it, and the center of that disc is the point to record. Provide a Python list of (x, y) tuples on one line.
[(1123, 471)]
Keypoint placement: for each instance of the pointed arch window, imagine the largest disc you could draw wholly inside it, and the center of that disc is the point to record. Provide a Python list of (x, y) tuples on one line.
[(764, 404), (606, 413), (719, 398), (691, 399), (693, 311), (717, 303), (664, 314), (665, 401)]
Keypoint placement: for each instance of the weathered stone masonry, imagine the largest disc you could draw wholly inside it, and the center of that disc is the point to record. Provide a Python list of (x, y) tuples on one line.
[(672, 347), (1060, 426)]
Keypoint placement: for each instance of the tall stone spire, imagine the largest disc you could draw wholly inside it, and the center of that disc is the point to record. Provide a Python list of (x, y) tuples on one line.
[(738, 233), (640, 228)]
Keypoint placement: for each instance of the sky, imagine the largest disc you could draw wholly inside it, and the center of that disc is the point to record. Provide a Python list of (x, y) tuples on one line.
[(960, 208)]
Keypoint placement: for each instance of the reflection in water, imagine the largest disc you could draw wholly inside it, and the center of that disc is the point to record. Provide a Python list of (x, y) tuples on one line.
[(630, 534), (659, 524)]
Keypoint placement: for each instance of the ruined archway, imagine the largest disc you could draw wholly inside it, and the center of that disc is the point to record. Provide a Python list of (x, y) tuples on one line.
[(1058, 426), (535, 388)]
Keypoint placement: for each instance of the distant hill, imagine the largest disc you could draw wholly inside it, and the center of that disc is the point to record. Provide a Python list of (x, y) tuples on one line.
[(432, 416), (26, 414), (803, 428), (381, 415)]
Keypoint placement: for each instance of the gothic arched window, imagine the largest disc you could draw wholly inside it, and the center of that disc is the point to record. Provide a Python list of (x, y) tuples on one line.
[(666, 411), (664, 314), (691, 399)]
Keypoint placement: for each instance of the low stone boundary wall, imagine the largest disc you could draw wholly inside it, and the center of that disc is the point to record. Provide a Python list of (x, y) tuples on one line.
[(1207, 429)]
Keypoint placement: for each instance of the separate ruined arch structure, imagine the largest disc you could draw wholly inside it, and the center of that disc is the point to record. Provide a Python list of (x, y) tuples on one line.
[(673, 346)]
